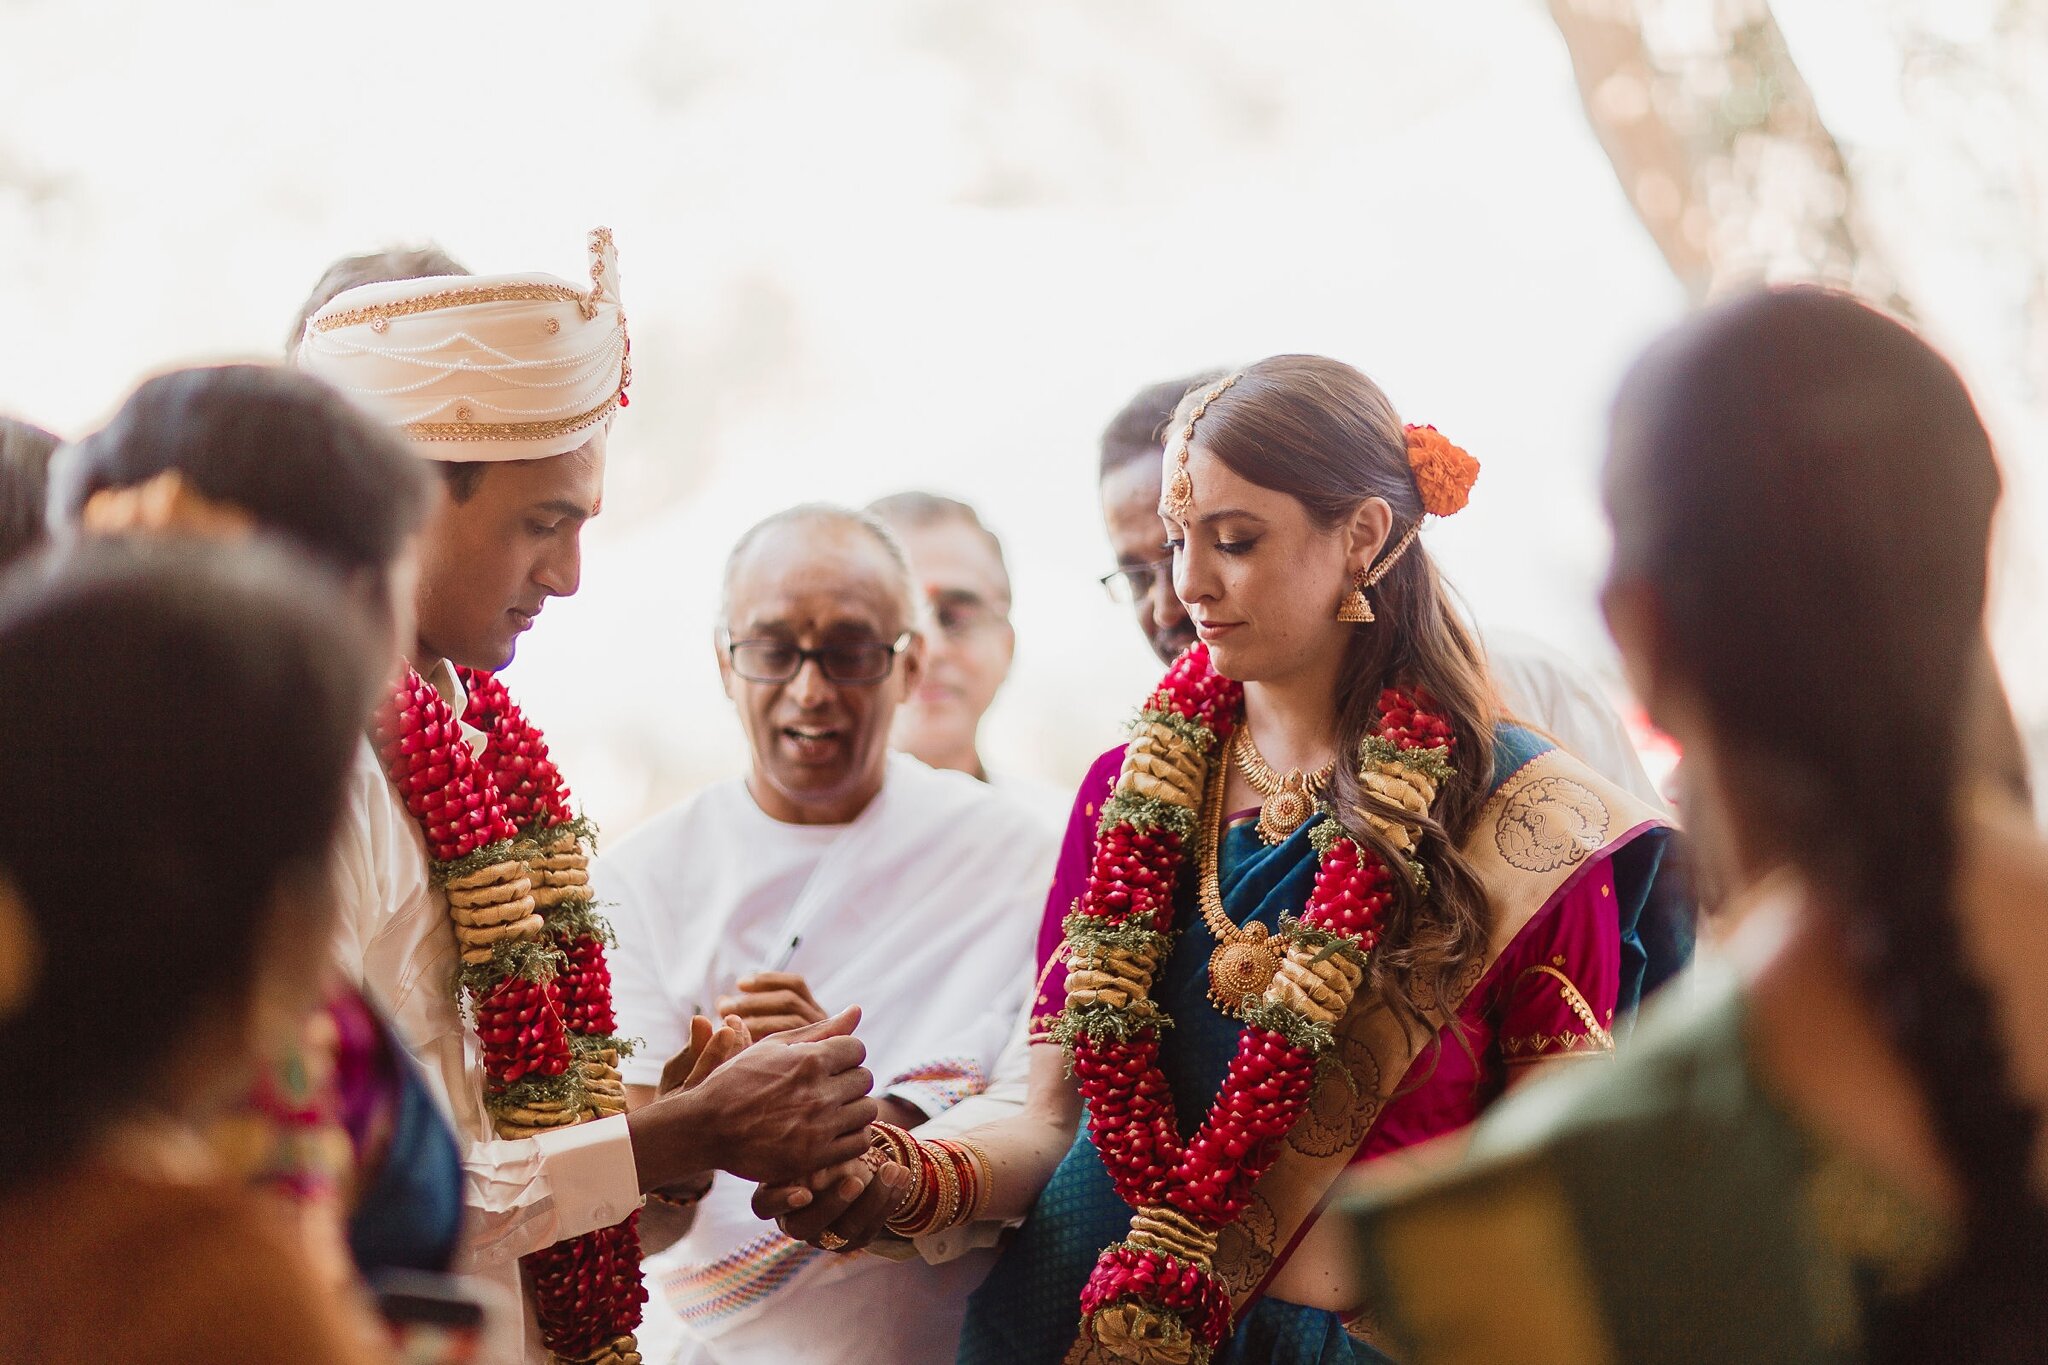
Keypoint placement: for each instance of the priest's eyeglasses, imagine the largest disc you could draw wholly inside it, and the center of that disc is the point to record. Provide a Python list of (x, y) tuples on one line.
[(861, 663), (1126, 586)]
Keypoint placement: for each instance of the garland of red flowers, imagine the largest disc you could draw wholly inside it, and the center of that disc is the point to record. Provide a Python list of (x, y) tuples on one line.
[(1154, 1295), (512, 858)]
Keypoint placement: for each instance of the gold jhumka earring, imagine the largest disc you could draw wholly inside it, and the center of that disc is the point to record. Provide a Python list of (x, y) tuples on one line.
[(1354, 609)]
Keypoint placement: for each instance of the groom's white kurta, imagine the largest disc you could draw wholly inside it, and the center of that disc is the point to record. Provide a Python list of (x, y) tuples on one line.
[(923, 911), (393, 939)]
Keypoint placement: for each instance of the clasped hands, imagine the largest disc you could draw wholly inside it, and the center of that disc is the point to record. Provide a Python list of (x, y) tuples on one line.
[(839, 1204)]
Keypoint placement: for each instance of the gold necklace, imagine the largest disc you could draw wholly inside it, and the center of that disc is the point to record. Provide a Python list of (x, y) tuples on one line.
[(1246, 958), (1288, 801)]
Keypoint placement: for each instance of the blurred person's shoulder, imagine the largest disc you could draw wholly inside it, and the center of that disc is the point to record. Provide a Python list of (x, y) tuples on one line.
[(130, 1264)]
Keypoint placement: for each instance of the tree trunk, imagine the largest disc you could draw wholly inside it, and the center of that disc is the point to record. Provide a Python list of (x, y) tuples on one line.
[(1718, 144)]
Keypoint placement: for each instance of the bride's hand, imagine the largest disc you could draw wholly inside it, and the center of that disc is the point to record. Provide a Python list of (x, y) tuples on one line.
[(840, 1210)]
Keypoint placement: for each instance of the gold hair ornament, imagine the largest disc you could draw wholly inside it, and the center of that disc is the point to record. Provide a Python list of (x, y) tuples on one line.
[(1444, 475), (1180, 488)]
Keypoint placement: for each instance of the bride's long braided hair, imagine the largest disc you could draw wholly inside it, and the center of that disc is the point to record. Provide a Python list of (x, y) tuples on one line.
[(1808, 491)]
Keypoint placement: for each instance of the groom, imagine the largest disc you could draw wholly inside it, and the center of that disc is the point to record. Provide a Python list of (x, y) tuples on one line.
[(508, 385)]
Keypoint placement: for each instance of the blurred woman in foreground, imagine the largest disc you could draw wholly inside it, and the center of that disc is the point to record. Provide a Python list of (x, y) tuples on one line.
[(1833, 1153), (344, 1126), (181, 719)]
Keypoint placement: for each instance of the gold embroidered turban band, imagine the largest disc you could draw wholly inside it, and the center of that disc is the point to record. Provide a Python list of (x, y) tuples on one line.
[(481, 367)]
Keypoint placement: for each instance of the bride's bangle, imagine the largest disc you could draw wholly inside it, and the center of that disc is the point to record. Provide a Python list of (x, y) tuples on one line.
[(949, 1180)]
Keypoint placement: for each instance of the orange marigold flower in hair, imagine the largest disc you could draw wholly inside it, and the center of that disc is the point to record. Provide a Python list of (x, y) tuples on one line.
[(1444, 473)]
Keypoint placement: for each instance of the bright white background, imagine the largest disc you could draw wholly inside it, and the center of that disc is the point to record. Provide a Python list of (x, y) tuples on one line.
[(922, 243)]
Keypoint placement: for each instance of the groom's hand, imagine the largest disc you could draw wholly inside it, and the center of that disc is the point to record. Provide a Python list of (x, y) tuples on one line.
[(788, 1106)]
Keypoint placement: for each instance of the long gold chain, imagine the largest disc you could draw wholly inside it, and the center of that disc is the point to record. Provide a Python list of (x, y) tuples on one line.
[(1245, 959), (1211, 896), (1287, 803)]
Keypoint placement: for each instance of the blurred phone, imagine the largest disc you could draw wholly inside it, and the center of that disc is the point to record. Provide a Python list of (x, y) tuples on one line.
[(432, 1319)]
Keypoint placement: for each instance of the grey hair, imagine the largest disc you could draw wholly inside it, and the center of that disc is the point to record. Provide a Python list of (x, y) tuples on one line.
[(916, 509), (832, 514)]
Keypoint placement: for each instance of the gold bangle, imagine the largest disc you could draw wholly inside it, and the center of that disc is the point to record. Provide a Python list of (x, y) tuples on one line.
[(947, 1213), (985, 1192), (898, 1145), (940, 1191), (907, 1221)]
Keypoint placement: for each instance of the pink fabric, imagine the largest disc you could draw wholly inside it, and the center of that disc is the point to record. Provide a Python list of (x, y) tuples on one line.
[(366, 1083), (1519, 1012), (1069, 881)]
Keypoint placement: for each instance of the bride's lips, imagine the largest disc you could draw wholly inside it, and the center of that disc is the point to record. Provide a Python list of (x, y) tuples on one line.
[(1211, 631)]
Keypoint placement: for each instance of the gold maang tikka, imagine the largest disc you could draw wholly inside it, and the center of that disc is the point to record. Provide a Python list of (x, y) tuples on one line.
[(1179, 498)]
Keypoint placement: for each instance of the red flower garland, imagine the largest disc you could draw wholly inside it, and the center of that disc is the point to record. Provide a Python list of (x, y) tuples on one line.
[(1184, 1194), (540, 997)]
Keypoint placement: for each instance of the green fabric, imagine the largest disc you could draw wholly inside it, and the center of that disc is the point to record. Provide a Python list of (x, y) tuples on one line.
[(1681, 1212)]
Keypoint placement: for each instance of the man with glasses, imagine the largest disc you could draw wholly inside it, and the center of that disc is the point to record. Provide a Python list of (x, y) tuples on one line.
[(833, 873), (957, 563), (1128, 485)]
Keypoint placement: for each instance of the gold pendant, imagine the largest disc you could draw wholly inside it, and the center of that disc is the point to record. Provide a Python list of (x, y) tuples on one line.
[(1286, 810), (1180, 493), (1242, 967)]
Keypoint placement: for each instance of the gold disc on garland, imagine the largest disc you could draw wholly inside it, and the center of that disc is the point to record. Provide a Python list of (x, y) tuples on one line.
[(1242, 967)]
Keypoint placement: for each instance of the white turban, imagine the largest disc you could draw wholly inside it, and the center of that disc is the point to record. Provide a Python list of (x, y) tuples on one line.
[(481, 367)]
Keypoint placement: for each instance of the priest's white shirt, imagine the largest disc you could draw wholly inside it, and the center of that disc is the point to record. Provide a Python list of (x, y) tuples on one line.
[(924, 911), (395, 941)]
